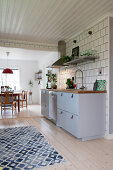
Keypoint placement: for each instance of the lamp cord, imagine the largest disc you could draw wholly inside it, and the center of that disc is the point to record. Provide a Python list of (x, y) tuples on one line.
[(7, 58)]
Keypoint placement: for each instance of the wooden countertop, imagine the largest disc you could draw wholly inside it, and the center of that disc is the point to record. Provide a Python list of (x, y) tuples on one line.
[(74, 91)]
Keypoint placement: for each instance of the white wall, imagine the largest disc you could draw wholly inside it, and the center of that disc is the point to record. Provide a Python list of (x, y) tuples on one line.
[(42, 64)]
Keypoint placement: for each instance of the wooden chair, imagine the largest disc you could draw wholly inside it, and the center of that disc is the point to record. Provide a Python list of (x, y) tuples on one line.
[(23, 98), (7, 99)]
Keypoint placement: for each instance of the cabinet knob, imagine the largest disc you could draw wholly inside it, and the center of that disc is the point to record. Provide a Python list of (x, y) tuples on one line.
[(61, 112), (72, 96), (61, 94), (72, 117)]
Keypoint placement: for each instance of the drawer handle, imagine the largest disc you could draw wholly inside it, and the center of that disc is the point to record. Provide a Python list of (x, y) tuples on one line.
[(61, 112), (72, 117), (61, 94), (45, 105), (72, 96)]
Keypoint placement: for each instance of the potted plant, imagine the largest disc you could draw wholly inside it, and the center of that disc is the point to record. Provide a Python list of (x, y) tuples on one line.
[(70, 84), (51, 78)]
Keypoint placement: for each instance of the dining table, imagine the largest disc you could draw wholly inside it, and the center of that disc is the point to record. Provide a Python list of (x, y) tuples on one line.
[(17, 95)]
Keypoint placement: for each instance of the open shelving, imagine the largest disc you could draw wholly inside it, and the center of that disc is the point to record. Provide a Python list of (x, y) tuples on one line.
[(81, 59)]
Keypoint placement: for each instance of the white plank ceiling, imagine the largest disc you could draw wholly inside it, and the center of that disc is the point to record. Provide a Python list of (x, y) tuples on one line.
[(48, 21)]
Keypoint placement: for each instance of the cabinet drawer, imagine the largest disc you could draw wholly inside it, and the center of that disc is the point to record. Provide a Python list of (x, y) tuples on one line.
[(68, 102), (68, 121), (71, 123)]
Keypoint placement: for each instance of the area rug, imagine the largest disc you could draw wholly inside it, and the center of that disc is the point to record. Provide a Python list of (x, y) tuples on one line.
[(26, 148)]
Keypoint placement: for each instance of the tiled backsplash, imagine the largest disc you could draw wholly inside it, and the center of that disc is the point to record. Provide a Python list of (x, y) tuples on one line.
[(98, 41)]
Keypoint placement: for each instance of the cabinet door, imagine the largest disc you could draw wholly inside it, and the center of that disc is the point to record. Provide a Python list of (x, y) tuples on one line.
[(60, 120), (53, 106), (60, 100), (45, 103), (71, 123)]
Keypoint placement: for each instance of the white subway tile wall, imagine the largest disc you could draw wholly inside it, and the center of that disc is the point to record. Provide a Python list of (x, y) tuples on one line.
[(98, 41)]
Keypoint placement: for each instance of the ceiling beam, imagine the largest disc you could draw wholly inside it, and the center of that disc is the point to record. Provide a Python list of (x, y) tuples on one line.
[(28, 45)]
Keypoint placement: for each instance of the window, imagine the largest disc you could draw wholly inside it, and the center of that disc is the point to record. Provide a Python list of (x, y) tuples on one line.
[(11, 80)]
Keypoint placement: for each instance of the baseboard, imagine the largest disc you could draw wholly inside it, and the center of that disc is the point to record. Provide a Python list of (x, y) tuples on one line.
[(108, 136)]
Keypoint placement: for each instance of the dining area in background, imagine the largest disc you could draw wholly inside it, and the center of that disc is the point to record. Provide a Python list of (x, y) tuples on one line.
[(11, 99)]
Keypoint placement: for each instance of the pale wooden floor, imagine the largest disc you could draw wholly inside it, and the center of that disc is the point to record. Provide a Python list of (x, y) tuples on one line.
[(89, 155), (30, 111)]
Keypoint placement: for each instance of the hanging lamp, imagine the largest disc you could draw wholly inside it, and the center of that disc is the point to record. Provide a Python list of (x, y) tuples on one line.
[(7, 70)]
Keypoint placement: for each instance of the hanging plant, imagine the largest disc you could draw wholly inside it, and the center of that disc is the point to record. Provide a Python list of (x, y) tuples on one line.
[(30, 83)]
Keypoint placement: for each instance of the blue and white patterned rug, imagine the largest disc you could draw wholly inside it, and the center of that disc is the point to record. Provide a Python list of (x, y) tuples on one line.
[(26, 148)]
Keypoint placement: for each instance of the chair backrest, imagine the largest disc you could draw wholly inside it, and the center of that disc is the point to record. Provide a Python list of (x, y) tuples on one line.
[(24, 94), (7, 97)]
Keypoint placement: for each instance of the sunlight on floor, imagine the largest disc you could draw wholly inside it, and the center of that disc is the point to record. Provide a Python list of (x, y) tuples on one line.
[(30, 111)]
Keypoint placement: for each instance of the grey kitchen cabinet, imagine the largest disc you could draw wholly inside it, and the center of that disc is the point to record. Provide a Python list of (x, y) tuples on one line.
[(45, 103), (49, 104), (82, 115)]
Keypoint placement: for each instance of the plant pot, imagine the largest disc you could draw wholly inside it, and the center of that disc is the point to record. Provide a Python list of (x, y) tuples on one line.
[(70, 88), (54, 86)]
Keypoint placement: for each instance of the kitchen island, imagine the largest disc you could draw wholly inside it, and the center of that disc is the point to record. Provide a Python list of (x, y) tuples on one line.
[(80, 112)]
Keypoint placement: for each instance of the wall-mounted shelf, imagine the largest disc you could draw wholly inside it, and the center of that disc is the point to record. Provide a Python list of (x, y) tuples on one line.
[(38, 76), (81, 59)]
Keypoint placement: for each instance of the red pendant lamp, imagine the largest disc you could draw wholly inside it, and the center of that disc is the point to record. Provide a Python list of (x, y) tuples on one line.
[(7, 70)]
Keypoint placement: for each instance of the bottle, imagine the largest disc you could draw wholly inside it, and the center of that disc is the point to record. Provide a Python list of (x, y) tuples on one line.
[(95, 86), (47, 85)]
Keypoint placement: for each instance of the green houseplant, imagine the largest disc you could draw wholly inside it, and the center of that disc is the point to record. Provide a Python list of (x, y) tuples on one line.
[(70, 84), (66, 59), (53, 79)]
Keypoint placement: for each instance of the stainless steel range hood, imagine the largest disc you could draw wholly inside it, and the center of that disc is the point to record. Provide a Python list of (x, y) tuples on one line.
[(62, 52)]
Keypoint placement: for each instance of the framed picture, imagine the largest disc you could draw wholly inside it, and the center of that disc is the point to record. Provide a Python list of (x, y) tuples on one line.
[(75, 52), (101, 85)]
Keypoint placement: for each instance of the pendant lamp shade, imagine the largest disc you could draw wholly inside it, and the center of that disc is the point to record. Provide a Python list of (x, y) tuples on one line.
[(7, 70)]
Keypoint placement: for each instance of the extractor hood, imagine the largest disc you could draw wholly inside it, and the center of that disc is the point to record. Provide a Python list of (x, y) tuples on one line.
[(62, 52)]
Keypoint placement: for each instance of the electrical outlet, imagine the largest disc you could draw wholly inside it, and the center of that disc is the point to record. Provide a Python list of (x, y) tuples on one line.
[(100, 71)]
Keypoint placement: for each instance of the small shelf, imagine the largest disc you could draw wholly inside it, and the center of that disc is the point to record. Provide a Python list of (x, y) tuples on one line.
[(39, 78), (81, 59), (40, 72), (38, 75)]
